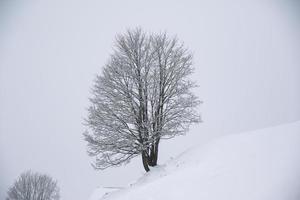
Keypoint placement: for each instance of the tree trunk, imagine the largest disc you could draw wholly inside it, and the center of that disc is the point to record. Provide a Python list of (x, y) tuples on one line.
[(155, 158), (145, 161), (153, 154)]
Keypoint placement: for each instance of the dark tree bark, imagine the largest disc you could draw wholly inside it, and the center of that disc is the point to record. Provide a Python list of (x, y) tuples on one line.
[(145, 161)]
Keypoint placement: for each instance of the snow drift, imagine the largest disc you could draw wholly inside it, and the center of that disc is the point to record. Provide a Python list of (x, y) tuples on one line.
[(257, 165)]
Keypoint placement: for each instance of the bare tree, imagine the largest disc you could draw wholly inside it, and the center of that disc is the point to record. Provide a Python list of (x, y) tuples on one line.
[(33, 186), (143, 95)]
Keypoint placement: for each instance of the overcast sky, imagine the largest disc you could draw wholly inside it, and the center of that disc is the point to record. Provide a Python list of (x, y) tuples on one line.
[(246, 55)]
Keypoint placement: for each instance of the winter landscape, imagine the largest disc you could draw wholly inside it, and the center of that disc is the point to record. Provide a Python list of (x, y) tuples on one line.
[(252, 165), (149, 100)]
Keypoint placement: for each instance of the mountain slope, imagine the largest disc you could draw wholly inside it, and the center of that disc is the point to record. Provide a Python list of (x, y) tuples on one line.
[(258, 165)]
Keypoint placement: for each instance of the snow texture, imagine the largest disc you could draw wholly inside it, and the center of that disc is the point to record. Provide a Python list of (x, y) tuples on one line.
[(257, 165)]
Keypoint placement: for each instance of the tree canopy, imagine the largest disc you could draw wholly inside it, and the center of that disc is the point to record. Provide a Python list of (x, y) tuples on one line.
[(143, 95), (33, 186)]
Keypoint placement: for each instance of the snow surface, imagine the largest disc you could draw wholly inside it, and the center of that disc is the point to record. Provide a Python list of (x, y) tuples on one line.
[(257, 165)]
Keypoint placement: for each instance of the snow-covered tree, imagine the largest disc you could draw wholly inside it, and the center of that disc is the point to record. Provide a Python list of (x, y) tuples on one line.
[(143, 95), (33, 186)]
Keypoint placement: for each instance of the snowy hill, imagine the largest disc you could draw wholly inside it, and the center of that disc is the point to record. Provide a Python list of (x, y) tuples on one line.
[(257, 165)]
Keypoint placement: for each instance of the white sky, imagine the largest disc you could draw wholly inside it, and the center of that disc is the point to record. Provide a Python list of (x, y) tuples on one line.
[(247, 63)]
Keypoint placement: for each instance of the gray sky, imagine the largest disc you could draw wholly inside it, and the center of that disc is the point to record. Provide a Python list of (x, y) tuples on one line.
[(247, 65)]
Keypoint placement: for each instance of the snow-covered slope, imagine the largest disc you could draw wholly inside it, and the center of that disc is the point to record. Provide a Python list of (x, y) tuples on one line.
[(258, 165)]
